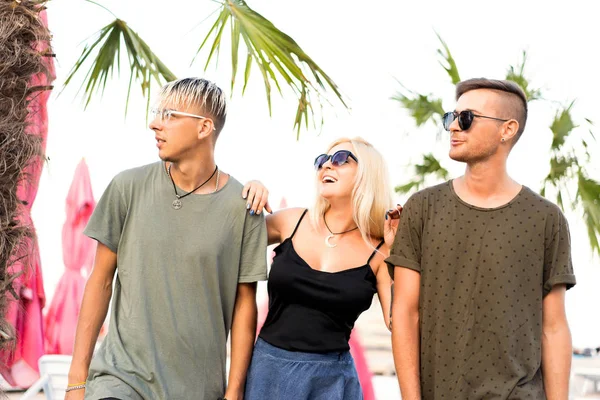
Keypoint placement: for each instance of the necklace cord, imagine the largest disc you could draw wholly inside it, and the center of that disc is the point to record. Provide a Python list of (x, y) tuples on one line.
[(188, 193), (338, 233)]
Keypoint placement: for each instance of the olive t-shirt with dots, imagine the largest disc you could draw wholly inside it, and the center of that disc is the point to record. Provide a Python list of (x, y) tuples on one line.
[(484, 274)]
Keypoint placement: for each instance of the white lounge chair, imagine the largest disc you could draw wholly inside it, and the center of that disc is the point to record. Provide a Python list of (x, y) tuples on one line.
[(54, 377)]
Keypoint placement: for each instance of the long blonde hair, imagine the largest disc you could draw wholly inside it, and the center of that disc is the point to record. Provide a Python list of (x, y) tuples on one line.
[(371, 196)]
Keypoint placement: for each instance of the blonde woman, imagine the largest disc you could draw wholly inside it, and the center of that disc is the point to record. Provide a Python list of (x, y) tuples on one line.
[(327, 268)]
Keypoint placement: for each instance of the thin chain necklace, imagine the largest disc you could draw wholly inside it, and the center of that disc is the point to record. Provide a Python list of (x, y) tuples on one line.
[(177, 202), (330, 236)]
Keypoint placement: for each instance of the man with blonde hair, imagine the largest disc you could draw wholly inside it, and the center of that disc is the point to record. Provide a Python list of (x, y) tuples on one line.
[(482, 264), (187, 257)]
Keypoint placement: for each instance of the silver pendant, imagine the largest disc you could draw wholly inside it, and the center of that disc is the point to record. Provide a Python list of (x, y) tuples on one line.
[(327, 243), (177, 204)]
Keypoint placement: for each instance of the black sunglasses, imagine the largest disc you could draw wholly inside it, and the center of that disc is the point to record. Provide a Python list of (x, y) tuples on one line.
[(465, 119), (338, 158)]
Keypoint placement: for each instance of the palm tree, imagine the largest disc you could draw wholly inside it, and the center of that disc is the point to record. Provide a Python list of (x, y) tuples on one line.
[(279, 59), (568, 181), (24, 44)]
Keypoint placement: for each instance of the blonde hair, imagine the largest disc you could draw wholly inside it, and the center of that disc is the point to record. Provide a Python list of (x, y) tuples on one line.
[(196, 92), (371, 196)]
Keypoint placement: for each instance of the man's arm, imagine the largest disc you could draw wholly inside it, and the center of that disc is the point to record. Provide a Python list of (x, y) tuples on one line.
[(94, 307), (405, 332), (243, 331), (556, 345)]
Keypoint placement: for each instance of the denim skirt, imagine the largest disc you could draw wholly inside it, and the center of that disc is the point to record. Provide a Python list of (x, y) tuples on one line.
[(278, 374)]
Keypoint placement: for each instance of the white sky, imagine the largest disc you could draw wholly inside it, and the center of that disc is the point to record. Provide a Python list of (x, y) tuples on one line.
[(364, 47)]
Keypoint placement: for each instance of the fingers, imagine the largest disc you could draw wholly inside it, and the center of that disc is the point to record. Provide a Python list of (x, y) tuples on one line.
[(389, 230), (387, 225), (268, 208), (263, 201), (255, 199), (250, 197), (246, 189), (394, 213)]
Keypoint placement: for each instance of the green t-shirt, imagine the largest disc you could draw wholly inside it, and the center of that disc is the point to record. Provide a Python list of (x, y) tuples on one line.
[(484, 274), (177, 276)]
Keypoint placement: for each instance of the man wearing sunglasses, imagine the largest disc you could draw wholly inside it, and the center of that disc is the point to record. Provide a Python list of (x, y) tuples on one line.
[(481, 267), (187, 256)]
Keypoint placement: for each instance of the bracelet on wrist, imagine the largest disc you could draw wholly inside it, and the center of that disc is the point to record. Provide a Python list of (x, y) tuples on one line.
[(75, 387)]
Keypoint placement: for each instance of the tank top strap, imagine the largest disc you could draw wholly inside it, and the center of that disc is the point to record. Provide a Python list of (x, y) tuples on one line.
[(298, 224), (375, 251)]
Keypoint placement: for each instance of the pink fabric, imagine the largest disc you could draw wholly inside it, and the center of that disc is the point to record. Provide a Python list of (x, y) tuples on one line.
[(364, 374), (283, 203), (20, 368), (78, 255)]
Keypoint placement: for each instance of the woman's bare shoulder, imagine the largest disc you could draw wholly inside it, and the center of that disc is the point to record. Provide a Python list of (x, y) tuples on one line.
[(285, 219)]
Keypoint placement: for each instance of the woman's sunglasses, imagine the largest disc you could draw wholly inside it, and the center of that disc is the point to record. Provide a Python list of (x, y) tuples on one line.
[(338, 158), (465, 119)]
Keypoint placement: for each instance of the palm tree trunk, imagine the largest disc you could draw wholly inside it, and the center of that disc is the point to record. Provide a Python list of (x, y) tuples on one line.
[(24, 48)]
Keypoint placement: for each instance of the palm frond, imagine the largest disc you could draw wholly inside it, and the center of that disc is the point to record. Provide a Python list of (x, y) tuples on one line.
[(591, 123), (421, 107), (277, 56), (517, 75), (408, 187), (429, 167), (144, 65), (448, 62), (561, 171), (592, 138), (559, 168), (561, 127), (559, 200), (101, 6), (588, 196)]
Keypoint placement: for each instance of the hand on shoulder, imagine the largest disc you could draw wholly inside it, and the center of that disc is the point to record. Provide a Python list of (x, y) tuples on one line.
[(392, 219)]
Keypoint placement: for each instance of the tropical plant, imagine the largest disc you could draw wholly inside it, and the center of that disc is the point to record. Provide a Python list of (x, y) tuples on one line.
[(24, 46), (568, 181), (278, 58)]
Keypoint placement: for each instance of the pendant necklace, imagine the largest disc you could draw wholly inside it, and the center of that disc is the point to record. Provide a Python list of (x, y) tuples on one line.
[(177, 202), (332, 234)]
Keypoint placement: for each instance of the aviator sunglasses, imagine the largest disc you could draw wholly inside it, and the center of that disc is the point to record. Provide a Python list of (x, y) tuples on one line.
[(338, 158), (465, 119)]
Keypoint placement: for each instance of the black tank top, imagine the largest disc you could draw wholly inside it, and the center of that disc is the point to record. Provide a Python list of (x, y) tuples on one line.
[(311, 310)]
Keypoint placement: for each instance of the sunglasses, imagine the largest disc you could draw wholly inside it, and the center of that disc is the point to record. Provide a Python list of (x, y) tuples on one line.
[(164, 114), (465, 119), (338, 158)]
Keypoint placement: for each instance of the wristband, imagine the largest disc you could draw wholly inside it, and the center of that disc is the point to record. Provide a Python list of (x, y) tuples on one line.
[(76, 387)]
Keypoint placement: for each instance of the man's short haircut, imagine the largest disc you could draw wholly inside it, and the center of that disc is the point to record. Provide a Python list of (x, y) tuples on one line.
[(513, 93), (196, 93)]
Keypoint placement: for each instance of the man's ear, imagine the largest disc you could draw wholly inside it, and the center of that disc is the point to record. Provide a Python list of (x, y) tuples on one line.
[(509, 132), (206, 128)]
